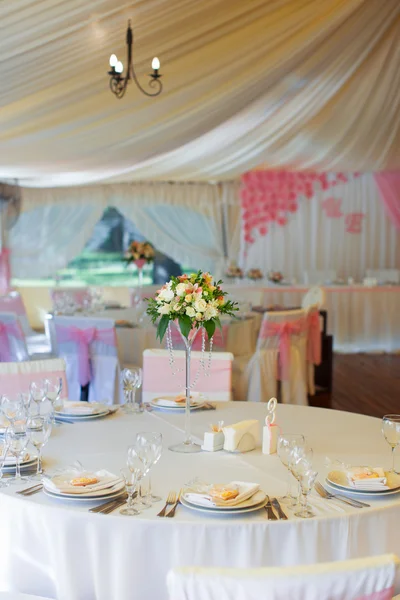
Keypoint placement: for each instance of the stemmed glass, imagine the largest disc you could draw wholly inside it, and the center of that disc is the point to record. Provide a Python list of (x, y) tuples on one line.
[(131, 381), (131, 480), (306, 480), (39, 429), (391, 431), (286, 443), (53, 388), (12, 408), (149, 449), (17, 440), (300, 461), (3, 456), (38, 394), (137, 465)]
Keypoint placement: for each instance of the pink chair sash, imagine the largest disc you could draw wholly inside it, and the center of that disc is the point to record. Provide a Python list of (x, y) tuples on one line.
[(7, 329), (5, 270), (386, 594), (283, 331), (12, 303), (84, 338), (314, 338)]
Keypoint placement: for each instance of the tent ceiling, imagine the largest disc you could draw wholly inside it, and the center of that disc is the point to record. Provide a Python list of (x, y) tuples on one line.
[(294, 83)]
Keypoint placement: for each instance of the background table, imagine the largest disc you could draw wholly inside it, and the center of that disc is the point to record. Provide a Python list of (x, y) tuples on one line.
[(59, 550)]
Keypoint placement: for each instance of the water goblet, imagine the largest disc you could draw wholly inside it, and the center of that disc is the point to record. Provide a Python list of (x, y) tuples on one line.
[(17, 440), (129, 379), (307, 481), (137, 463), (391, 432), (149, 446), (3, 457), (38, 394), (39, 429), (53, 388), (131, 479), (12, 408), (286, 443), (300, 461)]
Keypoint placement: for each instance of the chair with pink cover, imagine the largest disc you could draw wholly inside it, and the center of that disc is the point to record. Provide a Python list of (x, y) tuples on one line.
[(36, 343), (371, 578), (12, 340), (159, 378), (280, 356), (313, 301), (89, 348), (16, 377)]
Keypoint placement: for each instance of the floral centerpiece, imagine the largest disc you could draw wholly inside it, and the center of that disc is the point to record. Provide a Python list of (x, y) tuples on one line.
[(254, 274), (139, 253), (191, 303), (234, 271), (275, 276)]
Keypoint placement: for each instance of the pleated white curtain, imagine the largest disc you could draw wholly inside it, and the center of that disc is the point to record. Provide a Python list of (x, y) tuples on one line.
[(313, 241)]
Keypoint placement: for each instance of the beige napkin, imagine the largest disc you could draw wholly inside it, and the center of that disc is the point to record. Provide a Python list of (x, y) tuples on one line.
[(61, 484), (246, 490), (81, 408), (242, 437), (375, 482)]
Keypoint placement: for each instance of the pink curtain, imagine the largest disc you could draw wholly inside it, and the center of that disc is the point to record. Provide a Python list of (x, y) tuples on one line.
[(388, 183), (5, 271)]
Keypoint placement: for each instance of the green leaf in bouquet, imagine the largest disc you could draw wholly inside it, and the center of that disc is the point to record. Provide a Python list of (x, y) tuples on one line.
[(185, 325), (209, 326), (162, 327), (218, 323)]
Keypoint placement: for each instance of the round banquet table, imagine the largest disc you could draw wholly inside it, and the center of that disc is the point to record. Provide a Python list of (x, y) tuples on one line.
[(61, 551)]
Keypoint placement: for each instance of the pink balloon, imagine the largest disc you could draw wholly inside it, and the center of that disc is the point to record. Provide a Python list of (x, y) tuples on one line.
[(263, 230)]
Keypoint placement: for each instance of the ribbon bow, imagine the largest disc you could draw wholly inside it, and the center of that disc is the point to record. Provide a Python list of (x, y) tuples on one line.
[(283, 331), (7, 329), (314, 338)]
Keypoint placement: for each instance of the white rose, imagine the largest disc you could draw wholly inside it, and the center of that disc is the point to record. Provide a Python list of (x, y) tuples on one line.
[(210, 313), (190, 312), (181, 289), (200, 305), (176, 307), (166, 295), (165, 309), (199, 316)]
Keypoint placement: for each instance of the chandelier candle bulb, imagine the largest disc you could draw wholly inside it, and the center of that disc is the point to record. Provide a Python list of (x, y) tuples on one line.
[(113, 60), (155, 63), (270, 429)]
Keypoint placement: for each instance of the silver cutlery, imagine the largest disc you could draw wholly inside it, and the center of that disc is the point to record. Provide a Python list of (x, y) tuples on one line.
[(277, 507), (208, 406), (171, 499), (328, 496), (31, 490), (271, 515), (107, 504), (116, 504), (171, 513)]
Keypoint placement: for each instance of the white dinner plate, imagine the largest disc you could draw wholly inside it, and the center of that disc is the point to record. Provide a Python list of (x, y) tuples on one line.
[(158, 403), (116, 488), (216, 511), (254, 500), (66, 411), (29, 464), (80, 498), (338, 479)]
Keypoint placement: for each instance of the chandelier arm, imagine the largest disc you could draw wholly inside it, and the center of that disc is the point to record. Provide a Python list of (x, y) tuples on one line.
[(154, 82)]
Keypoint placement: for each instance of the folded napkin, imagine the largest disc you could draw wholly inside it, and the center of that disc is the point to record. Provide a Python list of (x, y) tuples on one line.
[(81, 408), (246, 491), (180, 400), (61, 483), (11, 460), (367, 479), (242, 437)]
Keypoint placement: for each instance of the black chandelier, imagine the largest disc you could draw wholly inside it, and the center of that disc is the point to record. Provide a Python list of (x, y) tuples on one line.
[(118, 83)]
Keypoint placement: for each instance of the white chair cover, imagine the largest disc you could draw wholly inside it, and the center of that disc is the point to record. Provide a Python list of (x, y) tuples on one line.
[(384, 275), (13, 337), (314, 297), (320, 277), (104, 381), (158, 377), (263, 368), (371, 578), (17, 376)]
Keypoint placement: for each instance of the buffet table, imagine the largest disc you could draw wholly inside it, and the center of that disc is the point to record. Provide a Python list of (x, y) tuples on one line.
[(61, 551)]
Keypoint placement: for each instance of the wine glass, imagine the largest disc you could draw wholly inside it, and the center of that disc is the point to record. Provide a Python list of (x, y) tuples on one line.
[(12, 408), (17, 440), (149, 446), (3, 456), (128, 380), (136, 463), (39, 429), (286, 443), (53, 388), (391, 431), (307, 481), (38, 393), (300, 461), (131, 479)]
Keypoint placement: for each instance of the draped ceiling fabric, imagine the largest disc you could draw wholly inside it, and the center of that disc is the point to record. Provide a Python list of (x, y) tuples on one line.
[(283, 83)]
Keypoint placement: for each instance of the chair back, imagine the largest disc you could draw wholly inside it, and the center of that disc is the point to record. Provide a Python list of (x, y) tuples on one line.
[(159, 378), (384, 275), (89, 347), (369, 578), (318, 277), (16, 377), (13, 303), (314, 297), (12, 340)]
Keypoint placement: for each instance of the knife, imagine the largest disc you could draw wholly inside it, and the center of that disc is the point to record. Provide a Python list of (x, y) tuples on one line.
[(271, 515), (278, 509), (105, 505)]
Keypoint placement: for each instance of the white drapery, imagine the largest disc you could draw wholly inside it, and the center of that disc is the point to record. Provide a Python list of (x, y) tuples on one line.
[(313, 241), (285, 83)]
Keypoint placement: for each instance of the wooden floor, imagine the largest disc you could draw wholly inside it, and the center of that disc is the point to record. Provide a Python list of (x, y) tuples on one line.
[(364, 383)]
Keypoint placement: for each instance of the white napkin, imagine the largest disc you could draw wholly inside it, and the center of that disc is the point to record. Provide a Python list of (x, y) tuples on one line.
[(195, 398), (61, 483), (81, 408), (246, 491), (242, 437), (371, 484)]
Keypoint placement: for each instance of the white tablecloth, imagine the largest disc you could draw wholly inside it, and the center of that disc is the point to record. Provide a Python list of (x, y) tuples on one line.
[(361, 319), (59, 550)]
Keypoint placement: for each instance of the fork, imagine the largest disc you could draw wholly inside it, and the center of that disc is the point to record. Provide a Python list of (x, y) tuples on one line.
[(171, 499), (173, 509), (31, 490), (328, 496)]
